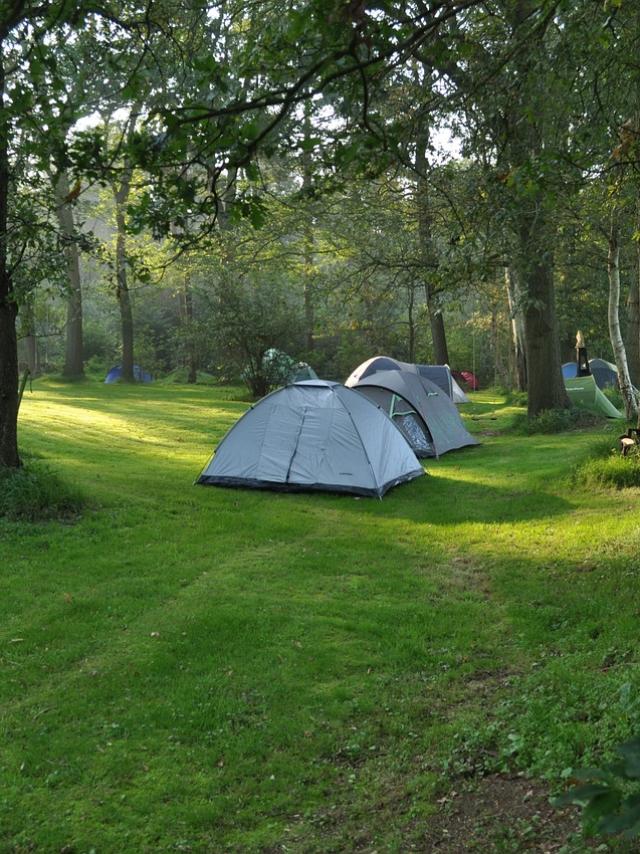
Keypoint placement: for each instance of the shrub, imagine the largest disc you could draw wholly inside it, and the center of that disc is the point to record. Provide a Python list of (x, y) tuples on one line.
[(34, 492), (96, 366), (180, 376), (610, 796), (614, 470), (516, 398), (555, 421)]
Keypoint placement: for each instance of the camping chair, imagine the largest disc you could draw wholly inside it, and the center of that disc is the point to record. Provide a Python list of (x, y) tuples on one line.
[(629, 440)]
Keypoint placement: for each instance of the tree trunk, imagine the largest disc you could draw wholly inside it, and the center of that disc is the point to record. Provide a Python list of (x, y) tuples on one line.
[(8, 373), (438, 336), (495, 346), (545, 382), (192, 359), (412, 325), (427, 248), (121, 196), (308, 290), (533, 243), (28, 328), (613, 268), (309, 308), (124, 298), (73, 364), (8, 309), (633, 308), (517, 329)]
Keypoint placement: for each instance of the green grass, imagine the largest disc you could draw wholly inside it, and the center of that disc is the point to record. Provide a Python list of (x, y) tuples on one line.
[(198, 669)]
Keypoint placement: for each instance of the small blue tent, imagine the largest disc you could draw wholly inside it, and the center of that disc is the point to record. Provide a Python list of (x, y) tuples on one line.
[(139, 375)]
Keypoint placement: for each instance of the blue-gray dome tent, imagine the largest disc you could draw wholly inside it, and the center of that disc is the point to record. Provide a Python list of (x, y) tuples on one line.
[(424, 413), (313, 435), (439, 374)]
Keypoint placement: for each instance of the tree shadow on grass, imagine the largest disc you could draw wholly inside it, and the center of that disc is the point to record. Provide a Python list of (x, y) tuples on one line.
[(438, 500), (425, 501)]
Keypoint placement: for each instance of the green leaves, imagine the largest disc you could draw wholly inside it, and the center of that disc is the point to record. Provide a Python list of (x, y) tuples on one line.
[(604, 796)]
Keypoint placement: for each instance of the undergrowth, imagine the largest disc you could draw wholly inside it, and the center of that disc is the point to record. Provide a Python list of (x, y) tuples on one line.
[(34, 492), (181, 377), (606, 467), (614, 470), (555, 421), (512, 397)]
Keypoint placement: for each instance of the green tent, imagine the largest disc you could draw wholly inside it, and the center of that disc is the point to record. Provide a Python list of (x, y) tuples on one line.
[(584, 392)]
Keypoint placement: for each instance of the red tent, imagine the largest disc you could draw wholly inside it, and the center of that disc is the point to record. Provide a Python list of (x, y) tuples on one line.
[(467, 377)]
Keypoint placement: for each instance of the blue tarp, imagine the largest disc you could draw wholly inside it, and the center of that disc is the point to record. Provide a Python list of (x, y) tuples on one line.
[(139, 375)]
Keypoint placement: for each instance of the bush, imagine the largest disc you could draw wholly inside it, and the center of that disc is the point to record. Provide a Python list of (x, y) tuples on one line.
[(610, 796), (96, 366), (614, 470), (34, 492), (516, 398), (556, 421)]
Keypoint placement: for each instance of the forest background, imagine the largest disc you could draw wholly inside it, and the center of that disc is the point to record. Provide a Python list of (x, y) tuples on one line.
[(184, 186)]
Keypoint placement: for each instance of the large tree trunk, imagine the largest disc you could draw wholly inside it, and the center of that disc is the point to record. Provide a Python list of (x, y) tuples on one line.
[(122, 293), (187, 308), (613, 268), (517, 329), (438, 336), (533, 250), (8, 372), (308, 295), (121, 197), (73, 364), (633, 308), (427, 249), (308, 289), (8, 310), (411, 296), (534, 270)]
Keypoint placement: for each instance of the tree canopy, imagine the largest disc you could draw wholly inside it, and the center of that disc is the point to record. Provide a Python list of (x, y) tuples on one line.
[(411, 177)]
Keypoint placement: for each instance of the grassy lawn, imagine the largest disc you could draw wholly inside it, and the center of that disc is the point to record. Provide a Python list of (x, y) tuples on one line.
[(197, 669)]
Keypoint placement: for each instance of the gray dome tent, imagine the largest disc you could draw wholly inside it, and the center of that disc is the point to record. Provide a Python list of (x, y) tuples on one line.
[(313, 435), (604, 373), (438, 374), (441, 375), (420, 409), (377, 363)]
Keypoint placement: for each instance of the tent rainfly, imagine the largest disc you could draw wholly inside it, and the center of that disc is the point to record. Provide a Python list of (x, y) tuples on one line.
[(584, 393), (313, 435), (439, 374), (426, 416)]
